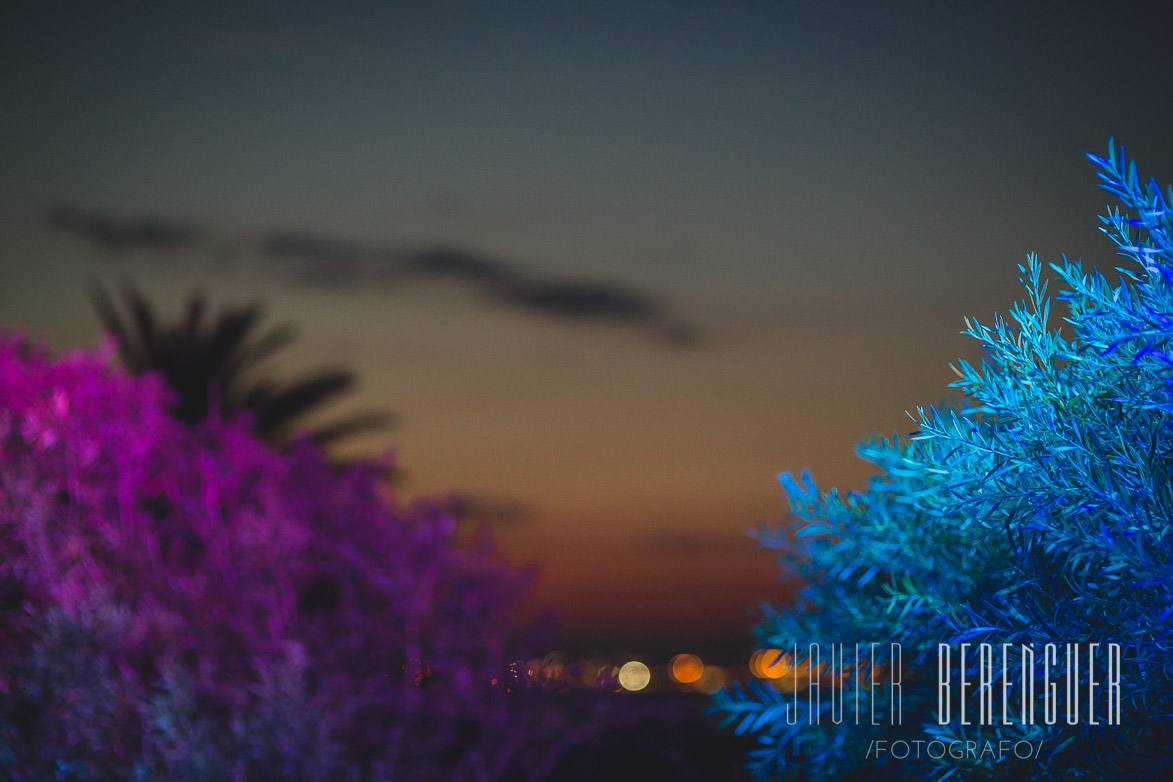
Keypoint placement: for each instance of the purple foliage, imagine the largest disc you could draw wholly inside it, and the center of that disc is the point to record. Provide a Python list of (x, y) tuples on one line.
[(186, 603)]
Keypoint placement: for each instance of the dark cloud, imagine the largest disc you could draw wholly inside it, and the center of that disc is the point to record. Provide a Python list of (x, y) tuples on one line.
[(583, 300), (459, 264), (570, 300), (330, 261), (312, 259), (110, 233), (311, 248), (324, 261)]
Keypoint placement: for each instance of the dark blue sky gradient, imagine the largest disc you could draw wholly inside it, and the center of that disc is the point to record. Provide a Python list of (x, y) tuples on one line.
[(614, 266)]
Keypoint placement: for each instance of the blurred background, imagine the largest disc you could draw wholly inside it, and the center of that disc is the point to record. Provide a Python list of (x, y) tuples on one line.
[(612, 267)]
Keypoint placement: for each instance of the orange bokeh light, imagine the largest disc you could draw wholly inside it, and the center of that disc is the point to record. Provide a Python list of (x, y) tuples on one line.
[(770, 664), (686, 668)]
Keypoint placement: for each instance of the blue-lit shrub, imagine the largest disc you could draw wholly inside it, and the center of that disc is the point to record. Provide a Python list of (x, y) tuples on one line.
[(1039, 510)]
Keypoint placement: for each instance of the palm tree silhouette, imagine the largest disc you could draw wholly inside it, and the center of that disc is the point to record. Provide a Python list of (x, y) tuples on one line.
[(210, 364)]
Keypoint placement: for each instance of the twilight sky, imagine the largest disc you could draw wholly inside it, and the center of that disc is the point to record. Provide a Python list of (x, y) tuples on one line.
[(614, 268)]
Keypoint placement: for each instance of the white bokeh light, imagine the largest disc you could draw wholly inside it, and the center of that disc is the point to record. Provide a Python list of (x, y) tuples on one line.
[(634, 676)]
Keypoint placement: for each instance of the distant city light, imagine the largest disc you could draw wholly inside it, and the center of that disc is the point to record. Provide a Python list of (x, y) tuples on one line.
[(634, 676), (585, 673), (607, 678), (714, 678), (686, 668), (769, 664)]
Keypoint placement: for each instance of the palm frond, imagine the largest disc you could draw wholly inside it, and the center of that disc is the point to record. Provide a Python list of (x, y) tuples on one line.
[(358, 423), (211, 362)]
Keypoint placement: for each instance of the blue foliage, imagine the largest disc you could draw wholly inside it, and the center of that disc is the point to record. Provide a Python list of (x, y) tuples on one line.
[(1038, 511)]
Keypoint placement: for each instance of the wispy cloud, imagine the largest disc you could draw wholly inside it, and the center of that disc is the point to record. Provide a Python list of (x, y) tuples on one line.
[(459, 264), (110, 233), (320, 261), (326, 261)]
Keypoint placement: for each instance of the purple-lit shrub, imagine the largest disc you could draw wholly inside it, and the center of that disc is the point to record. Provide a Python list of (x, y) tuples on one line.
[(186, 603)]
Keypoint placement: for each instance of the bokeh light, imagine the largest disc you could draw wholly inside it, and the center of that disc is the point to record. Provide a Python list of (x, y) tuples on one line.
[(686, 668), (585, 673), (770, 664), (607, 678), (634, 676), (712, 679)]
